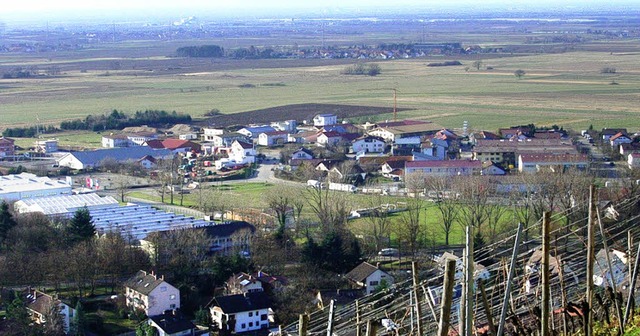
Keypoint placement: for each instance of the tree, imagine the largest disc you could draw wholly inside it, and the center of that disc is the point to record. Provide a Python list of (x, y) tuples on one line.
[(279, 200), (474, 195), (54, 325), (6, 221), (379, 223), (477, 64), (145, 329), (410, 230), (18, 317), (519, 73), (81, 226), (122, 184), (78, 323), (330, 207), (446, 203)]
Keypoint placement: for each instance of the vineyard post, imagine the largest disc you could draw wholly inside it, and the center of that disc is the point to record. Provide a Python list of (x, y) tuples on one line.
[(303, 325), (627, 312), (588, 325), (544, 314), (487, 307), (331, 317), (505, 301), (414, 270), (447, 295), (357, 317)]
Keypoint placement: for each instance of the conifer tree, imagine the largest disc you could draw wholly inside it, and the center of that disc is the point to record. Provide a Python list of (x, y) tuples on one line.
[(81, 227), (6, 221)]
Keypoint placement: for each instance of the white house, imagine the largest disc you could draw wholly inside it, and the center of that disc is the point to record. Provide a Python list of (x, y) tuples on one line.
[(633, 160), (209, 133), (532, 163), (368, 144), (115, 140), (47, 146), (93, 158), (328, 139), (150, 293), (39, 304), (325, 119), (172, 323), (242, 312), (602, 274), (444, 168), (254, 131), (273, 138), (138, 139), (288, 126), (242, 152), (490, 168), (369, 277), (242, 283), (302, 154)]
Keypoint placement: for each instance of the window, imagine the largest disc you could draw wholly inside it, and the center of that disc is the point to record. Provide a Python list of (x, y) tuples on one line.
[(373, 283), (250, 324), (250, 314), (163, 288), (243, 326), (173, 306), (172, 297), (263, 317)]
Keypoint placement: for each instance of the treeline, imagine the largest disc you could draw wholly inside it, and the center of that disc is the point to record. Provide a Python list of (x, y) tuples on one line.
[(29, 132), (362, 69), (119, 120), (201, 51), (445, 63)]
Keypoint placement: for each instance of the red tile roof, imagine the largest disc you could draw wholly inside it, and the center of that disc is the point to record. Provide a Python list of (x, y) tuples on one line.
[(444, 164)]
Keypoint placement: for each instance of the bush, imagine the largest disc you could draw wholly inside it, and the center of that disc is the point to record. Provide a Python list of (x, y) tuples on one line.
[(446, 63), (608, 70), (362, 69)]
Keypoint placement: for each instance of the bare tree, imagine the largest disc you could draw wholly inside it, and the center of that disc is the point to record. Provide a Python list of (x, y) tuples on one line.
[(331, 208), (379, 223), (122, 184), (474, 196), (446, 202), (410, 228), (280, 200)]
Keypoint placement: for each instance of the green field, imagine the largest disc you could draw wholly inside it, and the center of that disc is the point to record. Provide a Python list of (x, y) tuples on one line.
[(565, 89)]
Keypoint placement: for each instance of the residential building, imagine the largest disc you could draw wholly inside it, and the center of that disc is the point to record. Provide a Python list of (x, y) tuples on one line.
[(619, 139), (151, 294), (127, 140), (329, 139), (7, 147), (369, 277), (273, 138), (39, 305), (26, 186), (607, 133), (174, 145), (252, 132), (147, 161), (288, 126), (172, 323), (188, 136), (243, 283), (242, 312), (139, 138), (505, 152), (368, 144), (491, 168), (242, 152), (602, 274), (210, 133), (302, 154), (402, 129), (444, 168), (47, 146), (325, 119), (532, 163), (93, 158)]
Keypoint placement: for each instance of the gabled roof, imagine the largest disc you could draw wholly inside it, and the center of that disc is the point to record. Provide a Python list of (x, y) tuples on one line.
[(39, 301), (613, 131), (148, 158), (444, 164), (119, 154), (8, 140), (154, 143), (361, 272), (172, 322), (259, 129), (275, 133), (305, 150), (244, 144), (326, 115), (144, 282), (177, 143), (232, 304), (332, 134), (618, 135)]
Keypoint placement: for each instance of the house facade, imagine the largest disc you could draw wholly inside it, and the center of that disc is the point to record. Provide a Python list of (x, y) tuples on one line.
[(368, 144), (242, 152), (172, 323), (115, 140), (532, 163), (151, 294), (302, 154), (39, 304), (46, 146), (7, 147), (241, 312), (273, 138), (369, 277), (619, 139), (444, 168), (325, 119), (208, 133), (633, 160)]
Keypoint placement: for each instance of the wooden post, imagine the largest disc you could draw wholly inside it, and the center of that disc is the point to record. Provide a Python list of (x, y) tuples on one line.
[(487, 307), (630, 261), (331, 317), (414, 270), (427, 297), (303, 325), (588, 325), (371, 328), (357, 317), (468, 284), (610, 266), (507, 292), (563, 297), (545, 309), (447, 295), (632, 289), (462, 311)]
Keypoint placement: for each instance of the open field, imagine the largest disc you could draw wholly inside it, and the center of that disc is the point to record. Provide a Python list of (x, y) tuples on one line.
[(565, 89)]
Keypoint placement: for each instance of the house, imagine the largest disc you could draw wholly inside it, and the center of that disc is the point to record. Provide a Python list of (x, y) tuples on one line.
[(607, 133), (172, 323), (402, 129), (208, 133), (302, 154), (241, 312), (7, 147), (252, 132), (444, 168), (288, 126), (151, 294), (626, 149), (93, 159), (479, 271), (329, 139), (46, 146), (602, 274), (393, 167), (368, 144), (225, 139), (619, 139), (505, 152), (147, 161), (242, 152), (243, 283), (532, 163), (532, 271), (369, 277), (188, 136), (115, 140), (39, 305), (325, 119), (491, 168), (633, 160), (273, 138), (139, 138)]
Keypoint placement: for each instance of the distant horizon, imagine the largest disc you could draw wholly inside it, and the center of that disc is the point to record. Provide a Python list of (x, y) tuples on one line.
[(75, 11)]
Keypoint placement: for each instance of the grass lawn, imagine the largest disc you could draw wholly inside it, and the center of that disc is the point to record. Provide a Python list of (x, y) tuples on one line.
[(113, 324)]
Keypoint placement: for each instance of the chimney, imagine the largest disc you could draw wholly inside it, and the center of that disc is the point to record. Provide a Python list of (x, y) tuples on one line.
[(377, 265), (162, 277), (174, 312)]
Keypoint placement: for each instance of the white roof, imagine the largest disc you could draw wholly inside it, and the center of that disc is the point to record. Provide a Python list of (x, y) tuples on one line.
[(63, 204), (25, 182)]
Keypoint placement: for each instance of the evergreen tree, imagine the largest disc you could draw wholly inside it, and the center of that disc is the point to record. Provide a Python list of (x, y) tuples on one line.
[(79, 322), (81, 227), (6, 221), (18, 317)]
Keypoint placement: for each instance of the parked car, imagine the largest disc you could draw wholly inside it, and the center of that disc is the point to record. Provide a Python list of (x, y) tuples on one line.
[(389, 252)]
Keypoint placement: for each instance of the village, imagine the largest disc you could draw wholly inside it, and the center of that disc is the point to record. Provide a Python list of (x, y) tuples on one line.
[(325, 157)]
